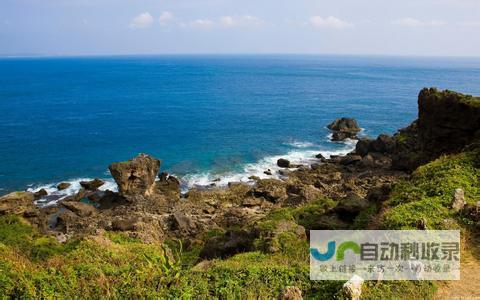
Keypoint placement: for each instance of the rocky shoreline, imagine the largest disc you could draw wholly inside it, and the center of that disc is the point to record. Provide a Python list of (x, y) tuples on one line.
[(150, 207)]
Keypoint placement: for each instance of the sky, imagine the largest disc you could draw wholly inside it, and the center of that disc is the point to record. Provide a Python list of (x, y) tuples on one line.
[(122, 27)]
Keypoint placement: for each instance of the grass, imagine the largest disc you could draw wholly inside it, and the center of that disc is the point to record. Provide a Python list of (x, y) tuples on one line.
[(428, 195)]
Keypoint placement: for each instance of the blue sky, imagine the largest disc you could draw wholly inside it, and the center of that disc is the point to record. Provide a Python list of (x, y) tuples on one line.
[(102, 27)]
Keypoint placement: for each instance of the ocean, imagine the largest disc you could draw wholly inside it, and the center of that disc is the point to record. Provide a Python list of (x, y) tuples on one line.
[(209, 118)]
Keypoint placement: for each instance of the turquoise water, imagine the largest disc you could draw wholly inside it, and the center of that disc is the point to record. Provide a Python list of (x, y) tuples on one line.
[(206, 117)]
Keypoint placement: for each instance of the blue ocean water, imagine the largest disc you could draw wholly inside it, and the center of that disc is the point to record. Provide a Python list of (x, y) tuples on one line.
[(204, 116)]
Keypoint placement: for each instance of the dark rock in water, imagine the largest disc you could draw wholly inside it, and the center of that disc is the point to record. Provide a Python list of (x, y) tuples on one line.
[(136, 176), (344, 128), (40, 194), (341, 136), (350, 206), (283, 163), (268, 172), (344, 125), (229, 244), (63, 186), (80, 208), (321, 157), (92, 185)]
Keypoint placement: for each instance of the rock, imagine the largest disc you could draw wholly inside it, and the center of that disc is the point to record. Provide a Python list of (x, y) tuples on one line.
[(63, 186), (338, 136), (268, 172), (124, 224), (168, 184), (17, 203), (447, 121), (92, 185), (301, 193), (284, 172), (344, 125), (136, 176), (352, 289), (290, 293), (472, 212), (363, 146), (79, 208), (458, 201), (379, 193), (271, 189), (251, 202), (383, 144), (283, 163), (422, 224), (183, 223), (350, 159), (321, 157), (228, 244), (329, 221), (40, 194), (350, 206), (344, 128)]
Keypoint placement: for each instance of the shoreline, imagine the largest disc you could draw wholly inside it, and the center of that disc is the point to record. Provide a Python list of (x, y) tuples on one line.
[(208, 180)]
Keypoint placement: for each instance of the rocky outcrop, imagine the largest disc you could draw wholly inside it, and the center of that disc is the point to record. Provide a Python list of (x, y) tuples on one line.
[(17, 203), (63, 186), (447, 121), (283, 163), (92, 185), (344, 128), (136, 176)]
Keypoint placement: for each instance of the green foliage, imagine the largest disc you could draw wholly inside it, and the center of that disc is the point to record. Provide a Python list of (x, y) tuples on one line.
[(428, 195), (398, 290)]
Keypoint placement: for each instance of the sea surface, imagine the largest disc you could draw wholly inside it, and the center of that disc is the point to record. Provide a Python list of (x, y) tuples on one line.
[(208, 118)]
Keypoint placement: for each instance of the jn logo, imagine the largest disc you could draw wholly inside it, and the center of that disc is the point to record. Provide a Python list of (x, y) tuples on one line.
[(331, 246)]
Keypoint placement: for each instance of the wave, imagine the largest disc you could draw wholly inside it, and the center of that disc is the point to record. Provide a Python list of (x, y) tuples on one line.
[(302, 157), (299, 144), (54, 195), (303, 154)]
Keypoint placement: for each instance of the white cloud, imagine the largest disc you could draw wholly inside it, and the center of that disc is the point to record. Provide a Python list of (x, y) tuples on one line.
[(201, 23), (165, 18), (411, 22), (329, 22), (143, 20), (240, 21)]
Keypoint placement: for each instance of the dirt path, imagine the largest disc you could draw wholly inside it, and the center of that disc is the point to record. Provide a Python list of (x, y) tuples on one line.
[(468, 287)]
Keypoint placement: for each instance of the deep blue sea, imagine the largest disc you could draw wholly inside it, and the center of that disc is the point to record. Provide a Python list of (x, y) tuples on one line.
[(205, 117)]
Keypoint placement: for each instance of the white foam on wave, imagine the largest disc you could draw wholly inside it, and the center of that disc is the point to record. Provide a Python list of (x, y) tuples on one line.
[(299, 144), (55, 195), (302, 157)]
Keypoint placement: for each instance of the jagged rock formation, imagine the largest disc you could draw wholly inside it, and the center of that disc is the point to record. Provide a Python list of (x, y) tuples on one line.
[(344, 128), (136, 176), (447, 121)]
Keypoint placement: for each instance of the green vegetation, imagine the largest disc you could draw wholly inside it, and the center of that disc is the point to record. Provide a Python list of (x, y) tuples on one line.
[(428, 195), (114, 265)]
